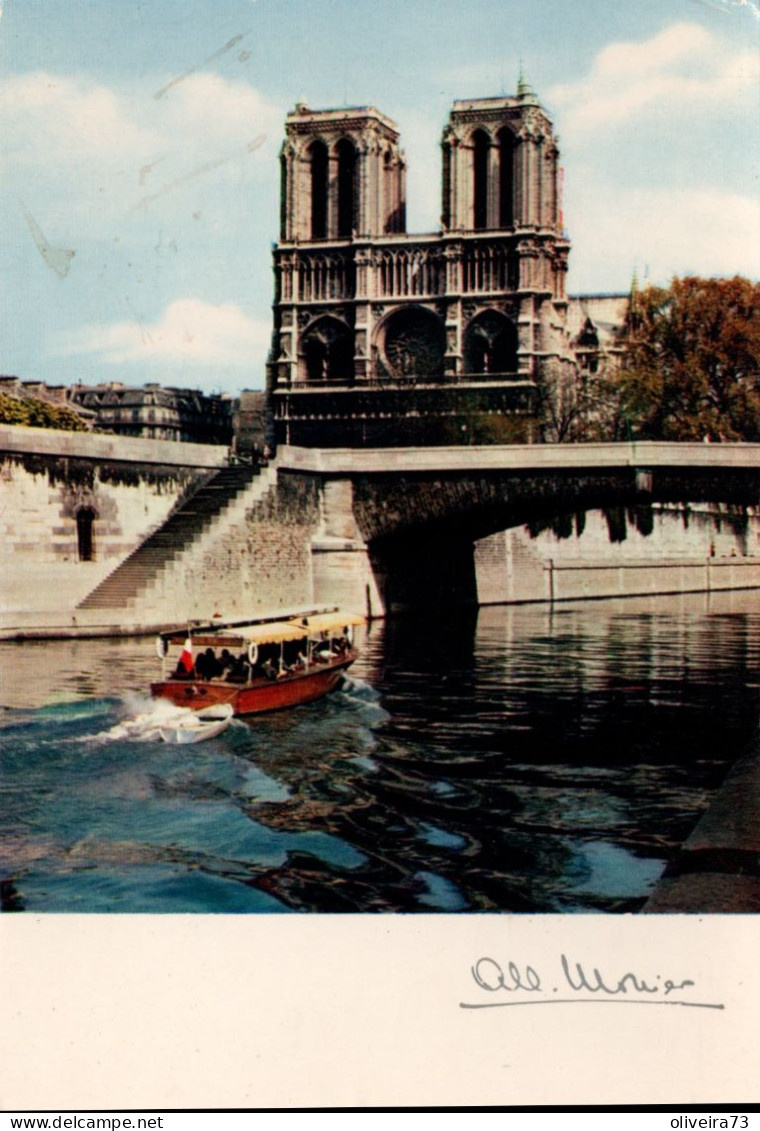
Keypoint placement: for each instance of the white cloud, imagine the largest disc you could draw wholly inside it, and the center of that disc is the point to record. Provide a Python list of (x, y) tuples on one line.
[(661, 232), (190, 332), (684, 70), (91, 151), (49, 120), (215, 111)]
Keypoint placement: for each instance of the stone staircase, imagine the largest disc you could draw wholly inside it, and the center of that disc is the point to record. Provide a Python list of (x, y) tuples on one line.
[(219, 498)]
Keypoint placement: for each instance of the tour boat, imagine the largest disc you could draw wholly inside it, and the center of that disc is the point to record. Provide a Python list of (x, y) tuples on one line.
[(195, 726), (256, 666)]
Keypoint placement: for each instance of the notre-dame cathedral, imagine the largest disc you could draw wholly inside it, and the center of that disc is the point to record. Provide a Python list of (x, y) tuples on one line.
[(381, 337)]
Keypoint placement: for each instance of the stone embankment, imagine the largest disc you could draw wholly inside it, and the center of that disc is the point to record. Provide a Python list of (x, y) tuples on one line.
[(116, 535), (718, 867)]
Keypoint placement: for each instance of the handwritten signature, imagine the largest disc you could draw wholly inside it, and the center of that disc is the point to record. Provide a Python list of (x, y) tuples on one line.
[(525, 986)]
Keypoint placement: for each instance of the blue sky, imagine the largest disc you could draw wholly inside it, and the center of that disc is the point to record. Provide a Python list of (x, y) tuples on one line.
[(142, 135)]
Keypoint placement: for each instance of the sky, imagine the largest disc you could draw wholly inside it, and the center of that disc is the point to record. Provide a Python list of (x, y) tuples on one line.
[(139, 141)]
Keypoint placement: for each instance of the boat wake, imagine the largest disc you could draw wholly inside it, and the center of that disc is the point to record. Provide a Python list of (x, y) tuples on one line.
[(355, 688), (362, 698), (143, 722)]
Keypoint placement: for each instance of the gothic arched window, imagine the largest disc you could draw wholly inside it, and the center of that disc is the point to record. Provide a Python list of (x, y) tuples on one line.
[(481, 145), (506, 178), (318, 155), (346, 187)]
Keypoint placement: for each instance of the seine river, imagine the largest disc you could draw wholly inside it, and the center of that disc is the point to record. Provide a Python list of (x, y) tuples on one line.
[(524, 759)]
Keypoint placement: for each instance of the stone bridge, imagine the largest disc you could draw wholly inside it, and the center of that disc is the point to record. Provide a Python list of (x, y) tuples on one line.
[(415, 515), (101, 534)]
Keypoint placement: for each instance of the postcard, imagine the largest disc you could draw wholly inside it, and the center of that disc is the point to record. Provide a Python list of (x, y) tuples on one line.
[(380, 557)]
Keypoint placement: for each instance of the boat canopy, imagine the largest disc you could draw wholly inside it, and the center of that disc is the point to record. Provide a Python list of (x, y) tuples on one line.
[(329, 622), (273, 633), (240, 635)]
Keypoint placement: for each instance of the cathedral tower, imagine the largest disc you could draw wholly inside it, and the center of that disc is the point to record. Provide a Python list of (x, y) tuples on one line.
[(343, 175), (381, 337), (500, 166)]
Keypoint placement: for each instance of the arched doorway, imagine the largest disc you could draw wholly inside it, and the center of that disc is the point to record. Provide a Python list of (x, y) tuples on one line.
[(328, 351), (85, 541), (490, 344)]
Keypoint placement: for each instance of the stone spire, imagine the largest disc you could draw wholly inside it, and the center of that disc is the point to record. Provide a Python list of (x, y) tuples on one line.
[(525, 92)]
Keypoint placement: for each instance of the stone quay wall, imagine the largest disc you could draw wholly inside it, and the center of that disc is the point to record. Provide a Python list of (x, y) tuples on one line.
[(255, 558), (48, 478), (667, 549)]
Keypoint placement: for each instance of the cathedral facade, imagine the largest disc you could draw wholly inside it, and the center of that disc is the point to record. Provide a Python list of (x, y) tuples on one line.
[(381, 337)]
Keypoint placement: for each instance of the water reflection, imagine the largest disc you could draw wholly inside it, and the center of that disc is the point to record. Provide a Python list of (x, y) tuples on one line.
[(522, 759)]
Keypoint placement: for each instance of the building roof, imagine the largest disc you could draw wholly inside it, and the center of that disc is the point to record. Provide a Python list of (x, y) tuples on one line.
[(306, 119), (605, 312)]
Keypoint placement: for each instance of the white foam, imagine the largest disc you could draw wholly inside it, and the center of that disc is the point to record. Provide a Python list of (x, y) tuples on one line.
[(145, 719)]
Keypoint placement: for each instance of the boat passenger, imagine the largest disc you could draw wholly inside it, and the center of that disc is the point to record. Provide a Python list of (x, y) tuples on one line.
[(201, 665), (238, 673), (207, 665)]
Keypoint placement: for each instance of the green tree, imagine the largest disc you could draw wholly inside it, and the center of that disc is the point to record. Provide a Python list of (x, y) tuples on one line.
[(692, 366), (34, 413)]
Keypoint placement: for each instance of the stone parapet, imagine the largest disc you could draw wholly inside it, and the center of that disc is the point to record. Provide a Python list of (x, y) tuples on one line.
[(106, 448), (521, 457)]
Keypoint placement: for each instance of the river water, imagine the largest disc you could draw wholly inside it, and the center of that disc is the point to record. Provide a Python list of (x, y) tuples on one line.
[(523, 759)]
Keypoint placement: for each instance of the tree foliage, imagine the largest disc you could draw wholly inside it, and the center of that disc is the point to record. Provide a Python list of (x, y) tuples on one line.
[(692, 366), (36, 413)]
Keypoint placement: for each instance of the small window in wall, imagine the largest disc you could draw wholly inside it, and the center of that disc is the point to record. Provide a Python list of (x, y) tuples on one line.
[(85, 542)]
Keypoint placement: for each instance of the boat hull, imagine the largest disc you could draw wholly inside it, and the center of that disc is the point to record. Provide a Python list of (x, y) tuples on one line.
[(258, 696)]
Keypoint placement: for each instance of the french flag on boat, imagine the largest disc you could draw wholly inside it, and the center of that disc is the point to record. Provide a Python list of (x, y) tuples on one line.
[(186, 659)]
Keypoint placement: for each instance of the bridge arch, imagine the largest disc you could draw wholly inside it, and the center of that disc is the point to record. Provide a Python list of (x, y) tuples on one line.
[(419, 518), (424, 554)]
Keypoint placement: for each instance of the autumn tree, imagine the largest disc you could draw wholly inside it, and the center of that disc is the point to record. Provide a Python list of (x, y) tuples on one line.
[(692, 367)]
